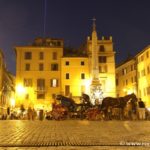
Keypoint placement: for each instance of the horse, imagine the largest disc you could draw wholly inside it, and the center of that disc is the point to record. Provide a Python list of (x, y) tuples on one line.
[(67, 102), (119, 103)]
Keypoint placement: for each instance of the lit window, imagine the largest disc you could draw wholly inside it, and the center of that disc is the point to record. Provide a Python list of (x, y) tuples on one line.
[(102, 69), (124, 71), (54, 83)]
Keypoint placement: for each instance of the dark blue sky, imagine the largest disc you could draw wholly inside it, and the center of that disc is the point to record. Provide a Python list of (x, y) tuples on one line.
[(127, 21)]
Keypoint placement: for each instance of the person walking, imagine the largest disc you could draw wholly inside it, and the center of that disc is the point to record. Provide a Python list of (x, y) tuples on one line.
[(141, 109)]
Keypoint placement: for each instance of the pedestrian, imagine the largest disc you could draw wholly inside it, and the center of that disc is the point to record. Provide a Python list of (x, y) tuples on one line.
[(141, 109), (41, 115), (34, 114), (30, 113)]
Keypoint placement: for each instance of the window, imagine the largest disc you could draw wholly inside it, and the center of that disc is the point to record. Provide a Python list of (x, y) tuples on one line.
[(102, 48), (126, 82), (0, 62), (124, 71), (67, 75), (148, 90), (138, 74), (142, 57), (102, 69), (132, 67), (132, 79), (27, 67), (41, 55), (67, 63), (54, 96), (54, 67), (40, 84), (143, 72), (54, 83), (82, 63), (117, 82), (144, 91), (82, 89), (102, 59), (147, 54), (40, 96), (135, 78), (27, 96), (67, 90), (41, 67), (28, 82), (148, 69), (54, 55), (28, 55), (82, 76)]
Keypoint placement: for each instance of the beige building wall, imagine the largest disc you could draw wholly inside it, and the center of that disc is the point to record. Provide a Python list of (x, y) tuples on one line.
[(106, 58), (28, 91), (143, 69), (78, 78), (126, 78)]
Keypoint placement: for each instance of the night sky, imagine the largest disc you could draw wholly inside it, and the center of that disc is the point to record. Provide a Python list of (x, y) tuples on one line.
[(21, 21)]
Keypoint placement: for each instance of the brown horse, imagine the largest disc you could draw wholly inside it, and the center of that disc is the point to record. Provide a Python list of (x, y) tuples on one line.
[(119, 103)]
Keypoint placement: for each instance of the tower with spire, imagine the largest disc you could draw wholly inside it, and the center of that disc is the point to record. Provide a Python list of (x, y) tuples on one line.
[(95, 87)]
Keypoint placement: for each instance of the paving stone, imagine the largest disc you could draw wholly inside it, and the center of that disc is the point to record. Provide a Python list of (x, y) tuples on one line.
[(74, 134)]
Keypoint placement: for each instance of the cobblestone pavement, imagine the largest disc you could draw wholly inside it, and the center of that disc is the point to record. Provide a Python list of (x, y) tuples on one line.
[(74, 135)]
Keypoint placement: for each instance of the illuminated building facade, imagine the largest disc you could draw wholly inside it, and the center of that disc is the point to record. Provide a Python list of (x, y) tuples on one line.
[(143, 74), (1, 79), (38, 72), (134, 76), (7, 84), (106, 64), (42, 71), (126, 78)]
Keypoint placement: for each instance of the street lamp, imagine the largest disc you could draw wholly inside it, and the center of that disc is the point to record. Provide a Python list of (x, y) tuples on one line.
[(20, 93)]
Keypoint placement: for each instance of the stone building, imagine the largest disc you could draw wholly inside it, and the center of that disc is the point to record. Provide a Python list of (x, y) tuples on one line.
[(43, 71), (133, 76)]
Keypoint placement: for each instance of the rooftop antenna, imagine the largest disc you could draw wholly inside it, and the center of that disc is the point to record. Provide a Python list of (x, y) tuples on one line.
[(44, 26)]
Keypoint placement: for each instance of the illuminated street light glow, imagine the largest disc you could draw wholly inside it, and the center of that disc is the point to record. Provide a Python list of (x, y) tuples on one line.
[(12, 102), (20, 89)]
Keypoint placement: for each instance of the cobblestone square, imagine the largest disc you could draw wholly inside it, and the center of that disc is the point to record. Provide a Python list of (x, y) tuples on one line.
[(74, 134)]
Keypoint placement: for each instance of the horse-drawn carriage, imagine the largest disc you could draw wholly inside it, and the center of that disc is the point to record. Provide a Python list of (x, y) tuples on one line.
[(111, 108), (118, 107)]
